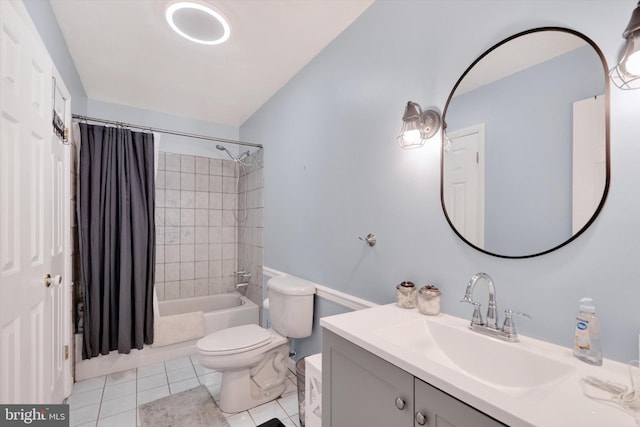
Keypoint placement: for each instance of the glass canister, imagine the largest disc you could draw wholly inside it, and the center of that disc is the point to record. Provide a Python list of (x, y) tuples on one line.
[(407, 295), (429, 300)]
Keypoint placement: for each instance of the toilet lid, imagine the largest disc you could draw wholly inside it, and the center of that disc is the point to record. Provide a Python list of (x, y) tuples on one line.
[(233, 340)]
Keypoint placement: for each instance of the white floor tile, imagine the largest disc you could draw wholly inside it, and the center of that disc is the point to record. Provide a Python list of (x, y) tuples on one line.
[(89, 384), (241, 420), (121, 377), (291, 388), (78, 400), (113, 400), (84, 414), (117, 390), (117, 405), (288, 422), (146, 371), (211, 378), (123, 419), (182, 362), (180, 374), (200, 370), (215, 391), (289, 404), (152, 381), (153, 394), (265, 412), (179, 386)]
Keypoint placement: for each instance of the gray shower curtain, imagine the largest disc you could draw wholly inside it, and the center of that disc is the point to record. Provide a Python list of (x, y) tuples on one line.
[(116, 229)]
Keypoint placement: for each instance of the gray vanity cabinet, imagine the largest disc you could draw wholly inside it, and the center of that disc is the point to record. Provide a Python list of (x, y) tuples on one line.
[(435, 408), (361, 389)]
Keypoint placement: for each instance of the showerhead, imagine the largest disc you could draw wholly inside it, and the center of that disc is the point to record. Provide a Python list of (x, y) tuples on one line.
[(241, 157), (222, 148)]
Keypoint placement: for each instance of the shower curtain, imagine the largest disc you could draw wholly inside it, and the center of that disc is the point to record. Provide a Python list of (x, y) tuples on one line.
[(116, 230)]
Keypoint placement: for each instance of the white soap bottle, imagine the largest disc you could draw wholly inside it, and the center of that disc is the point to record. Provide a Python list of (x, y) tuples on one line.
[(587, 346)]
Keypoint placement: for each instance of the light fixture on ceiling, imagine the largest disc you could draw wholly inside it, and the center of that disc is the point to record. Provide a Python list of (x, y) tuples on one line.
[(198, 23), (626, 75), (417, 126)]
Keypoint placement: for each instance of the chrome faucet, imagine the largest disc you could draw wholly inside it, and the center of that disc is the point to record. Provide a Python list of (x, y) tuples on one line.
[(508, 331), (243, 275)]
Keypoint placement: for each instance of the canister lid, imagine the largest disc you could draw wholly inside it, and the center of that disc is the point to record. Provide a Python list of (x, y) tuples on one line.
[(429, 290), (406, 284)]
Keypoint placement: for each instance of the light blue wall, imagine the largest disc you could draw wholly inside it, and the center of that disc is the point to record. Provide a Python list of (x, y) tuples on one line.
[(333, 171), (527, 134)]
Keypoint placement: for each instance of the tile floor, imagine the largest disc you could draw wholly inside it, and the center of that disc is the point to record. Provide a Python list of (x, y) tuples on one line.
[(112, 400)]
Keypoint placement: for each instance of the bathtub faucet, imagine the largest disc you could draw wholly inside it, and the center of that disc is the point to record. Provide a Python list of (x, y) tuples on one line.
[(243, 275)]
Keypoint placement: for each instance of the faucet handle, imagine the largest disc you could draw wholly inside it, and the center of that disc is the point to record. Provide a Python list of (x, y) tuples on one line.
[(509, 327), (476, 319)]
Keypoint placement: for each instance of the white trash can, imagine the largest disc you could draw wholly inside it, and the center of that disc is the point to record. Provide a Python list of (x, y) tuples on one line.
[(313, 391)]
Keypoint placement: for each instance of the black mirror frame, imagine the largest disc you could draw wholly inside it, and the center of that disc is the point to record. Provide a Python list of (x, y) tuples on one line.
[(607, 142)]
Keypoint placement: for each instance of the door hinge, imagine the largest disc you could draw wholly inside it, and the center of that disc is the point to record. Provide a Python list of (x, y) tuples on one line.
[(477, 157), (66, 352)]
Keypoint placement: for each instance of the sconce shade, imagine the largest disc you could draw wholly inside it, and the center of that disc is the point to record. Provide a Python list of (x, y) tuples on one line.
[(417, 126), (626, 75)]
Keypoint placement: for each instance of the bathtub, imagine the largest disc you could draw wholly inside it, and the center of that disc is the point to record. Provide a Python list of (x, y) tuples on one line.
[(220, 312)]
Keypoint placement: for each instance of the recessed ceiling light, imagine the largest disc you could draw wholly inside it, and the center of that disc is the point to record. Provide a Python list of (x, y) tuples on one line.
[(198, 23)]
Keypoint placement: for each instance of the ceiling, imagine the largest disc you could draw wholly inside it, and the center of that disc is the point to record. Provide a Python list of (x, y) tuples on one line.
[(125, 52)]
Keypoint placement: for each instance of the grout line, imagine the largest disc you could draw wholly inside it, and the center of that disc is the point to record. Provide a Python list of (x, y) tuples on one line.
[(104, 385)]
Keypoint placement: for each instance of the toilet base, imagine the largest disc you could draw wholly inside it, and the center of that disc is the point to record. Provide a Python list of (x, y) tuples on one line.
[(245, 388)]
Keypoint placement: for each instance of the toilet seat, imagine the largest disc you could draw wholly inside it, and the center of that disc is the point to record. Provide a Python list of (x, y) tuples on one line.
[(237, 339)]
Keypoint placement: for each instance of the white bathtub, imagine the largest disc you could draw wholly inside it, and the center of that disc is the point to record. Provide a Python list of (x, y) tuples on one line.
[(220, 312)]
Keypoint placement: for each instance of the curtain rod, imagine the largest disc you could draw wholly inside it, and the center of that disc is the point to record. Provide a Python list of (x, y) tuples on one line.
[(167, 131)]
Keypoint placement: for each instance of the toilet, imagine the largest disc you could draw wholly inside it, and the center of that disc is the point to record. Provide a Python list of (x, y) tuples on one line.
[(253, 360)]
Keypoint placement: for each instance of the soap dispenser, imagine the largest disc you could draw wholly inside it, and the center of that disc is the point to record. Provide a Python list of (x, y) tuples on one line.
[(587, 346)]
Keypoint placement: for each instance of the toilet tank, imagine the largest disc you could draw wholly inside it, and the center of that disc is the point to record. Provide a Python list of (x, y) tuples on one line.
[(291, 306)]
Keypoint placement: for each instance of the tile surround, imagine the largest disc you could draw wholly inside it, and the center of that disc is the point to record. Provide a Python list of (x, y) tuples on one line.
[(200, 243), (198, 237)]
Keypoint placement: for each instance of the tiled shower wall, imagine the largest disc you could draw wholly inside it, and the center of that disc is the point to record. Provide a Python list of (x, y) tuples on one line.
[(196, 226), (250, 224)]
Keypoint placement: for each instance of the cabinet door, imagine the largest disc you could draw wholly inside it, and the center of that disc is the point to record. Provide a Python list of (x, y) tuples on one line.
[(360, 389), (441, 410)]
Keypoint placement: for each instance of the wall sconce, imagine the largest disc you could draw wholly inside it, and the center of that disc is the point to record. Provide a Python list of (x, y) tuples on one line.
[(417, 126), (626, 75)]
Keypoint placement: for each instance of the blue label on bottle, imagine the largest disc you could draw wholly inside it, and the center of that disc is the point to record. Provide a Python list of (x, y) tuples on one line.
[(582, 326)]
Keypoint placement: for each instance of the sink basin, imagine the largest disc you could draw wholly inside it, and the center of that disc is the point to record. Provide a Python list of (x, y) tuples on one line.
[(503, 364)]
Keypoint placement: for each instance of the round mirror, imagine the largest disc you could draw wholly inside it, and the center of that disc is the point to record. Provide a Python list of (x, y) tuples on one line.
[(525, 150)]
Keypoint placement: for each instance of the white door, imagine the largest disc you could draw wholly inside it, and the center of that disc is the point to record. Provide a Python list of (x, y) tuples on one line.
[(30, 224), (59, 293), (589, 156), (463, 185)]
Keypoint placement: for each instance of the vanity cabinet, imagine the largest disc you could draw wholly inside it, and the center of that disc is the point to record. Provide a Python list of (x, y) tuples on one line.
[(438, 409), (361, 389)]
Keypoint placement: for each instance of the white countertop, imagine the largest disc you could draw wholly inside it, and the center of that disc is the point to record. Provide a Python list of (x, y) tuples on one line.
[(560, 403)]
